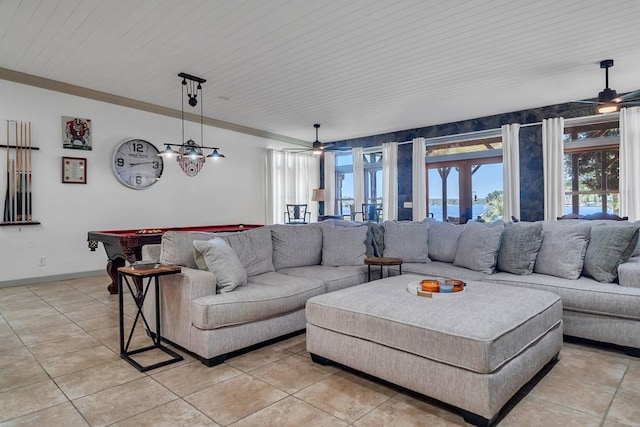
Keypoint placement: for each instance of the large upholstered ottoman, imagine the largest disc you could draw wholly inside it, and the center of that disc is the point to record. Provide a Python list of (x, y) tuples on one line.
[(473, 350)]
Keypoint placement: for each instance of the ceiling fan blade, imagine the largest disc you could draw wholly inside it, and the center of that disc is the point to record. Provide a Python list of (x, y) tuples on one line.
[(587, 102), (630, 95)]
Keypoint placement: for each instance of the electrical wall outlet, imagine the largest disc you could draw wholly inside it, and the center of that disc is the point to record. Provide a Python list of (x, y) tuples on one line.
[(43, 261)]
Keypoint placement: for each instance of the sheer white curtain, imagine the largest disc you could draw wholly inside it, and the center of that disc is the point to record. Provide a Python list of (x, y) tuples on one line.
[(552, 155), (291, 177), (419, 196), (358, 179), (630, 163), (511, 171), (389, 181), (329, 183)]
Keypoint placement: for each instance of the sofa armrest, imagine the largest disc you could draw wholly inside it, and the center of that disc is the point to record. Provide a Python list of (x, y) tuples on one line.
[(177, 291), (629, 272), (151, 252)]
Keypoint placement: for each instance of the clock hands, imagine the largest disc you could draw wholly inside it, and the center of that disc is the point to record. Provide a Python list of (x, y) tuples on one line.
[(141, 163)]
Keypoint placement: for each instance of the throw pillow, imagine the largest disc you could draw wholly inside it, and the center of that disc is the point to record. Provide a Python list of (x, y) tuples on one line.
[(519, 248), (408, 241), (370, 242), (563, 249), (443, 241), (608, 248), (478, 247), (177, 247), (296, 245), (343, 245), (223, 262), (254, 248)]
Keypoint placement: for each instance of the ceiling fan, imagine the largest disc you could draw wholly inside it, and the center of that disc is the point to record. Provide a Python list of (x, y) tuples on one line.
[(317, 147), (608, 100)]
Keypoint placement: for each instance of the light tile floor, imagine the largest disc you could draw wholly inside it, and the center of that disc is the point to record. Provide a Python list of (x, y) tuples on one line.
[(59, 366)]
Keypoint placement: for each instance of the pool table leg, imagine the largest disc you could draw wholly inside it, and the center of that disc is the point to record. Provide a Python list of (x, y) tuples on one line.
[(112, 271)]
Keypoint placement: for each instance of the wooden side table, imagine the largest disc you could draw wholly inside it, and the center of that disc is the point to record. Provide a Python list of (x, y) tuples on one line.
[(382, 262), (151, 273)]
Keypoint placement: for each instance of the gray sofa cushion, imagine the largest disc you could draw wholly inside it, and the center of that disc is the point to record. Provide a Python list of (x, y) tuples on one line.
[(519, 247), (443, 240), (343, 245), (254, 248), (608, 247), (222, 261), (334, 278), (177, 247), (296, 245), (478, 247), (263, 297), (407, 240), (563, 248)]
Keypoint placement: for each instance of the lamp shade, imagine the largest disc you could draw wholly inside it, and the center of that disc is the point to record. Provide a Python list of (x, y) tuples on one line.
[(318, 195)]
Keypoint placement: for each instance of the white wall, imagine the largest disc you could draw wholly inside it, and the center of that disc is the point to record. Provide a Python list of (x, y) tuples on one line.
[(225, 192)]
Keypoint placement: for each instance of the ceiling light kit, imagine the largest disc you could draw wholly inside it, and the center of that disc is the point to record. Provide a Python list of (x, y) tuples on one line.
[(190, 154), (608, 100)]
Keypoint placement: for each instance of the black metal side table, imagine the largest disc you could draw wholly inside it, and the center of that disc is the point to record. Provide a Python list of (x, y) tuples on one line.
[(150, 273)]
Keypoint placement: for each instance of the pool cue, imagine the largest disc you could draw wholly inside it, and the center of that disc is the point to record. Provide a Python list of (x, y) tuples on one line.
[(14, 176), (19, 176), (13, 190), (23, 175), (28, 178), (7, 206)]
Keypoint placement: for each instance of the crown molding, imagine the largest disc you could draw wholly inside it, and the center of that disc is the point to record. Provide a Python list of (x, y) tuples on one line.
[(44, 83)]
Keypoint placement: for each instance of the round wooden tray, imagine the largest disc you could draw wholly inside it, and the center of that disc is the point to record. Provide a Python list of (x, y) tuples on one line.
[(414, 287)]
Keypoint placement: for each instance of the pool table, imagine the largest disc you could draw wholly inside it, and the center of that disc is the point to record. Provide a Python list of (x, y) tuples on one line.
[(126, 245)]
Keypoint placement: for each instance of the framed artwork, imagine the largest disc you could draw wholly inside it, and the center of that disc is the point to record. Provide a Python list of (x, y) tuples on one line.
[(76, 133), (74, 170)]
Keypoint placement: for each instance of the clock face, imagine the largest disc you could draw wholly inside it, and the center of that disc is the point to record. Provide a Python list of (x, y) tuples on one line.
[(136, 164)]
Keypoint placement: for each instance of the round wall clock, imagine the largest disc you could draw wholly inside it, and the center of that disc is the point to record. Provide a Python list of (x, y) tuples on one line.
[(136, 164)]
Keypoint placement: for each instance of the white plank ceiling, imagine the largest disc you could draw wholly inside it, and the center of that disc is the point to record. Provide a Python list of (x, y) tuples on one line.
[(358, 67)]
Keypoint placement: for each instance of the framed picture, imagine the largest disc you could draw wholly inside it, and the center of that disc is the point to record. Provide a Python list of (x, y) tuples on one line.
[(74, 170), (76, 133)]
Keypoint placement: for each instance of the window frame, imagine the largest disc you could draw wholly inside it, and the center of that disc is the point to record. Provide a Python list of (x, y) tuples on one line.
[(590, 145), (464, 163)]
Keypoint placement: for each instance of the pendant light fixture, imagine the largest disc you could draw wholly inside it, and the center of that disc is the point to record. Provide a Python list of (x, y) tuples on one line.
[(190, 155)]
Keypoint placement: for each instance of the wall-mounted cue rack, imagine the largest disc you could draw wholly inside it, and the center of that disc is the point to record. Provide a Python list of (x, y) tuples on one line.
[(18, 203)]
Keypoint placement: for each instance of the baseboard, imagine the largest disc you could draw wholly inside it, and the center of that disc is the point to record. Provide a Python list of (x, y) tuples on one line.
[(56, 278)]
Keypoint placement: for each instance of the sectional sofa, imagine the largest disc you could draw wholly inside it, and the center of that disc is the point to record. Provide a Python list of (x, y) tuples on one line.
[(241, 289)]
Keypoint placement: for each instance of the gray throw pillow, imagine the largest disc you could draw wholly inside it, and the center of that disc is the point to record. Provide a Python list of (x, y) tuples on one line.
[(254, 248), (343, 245), (222, 261), (563, 249), (608, 248), (407, 240), (478, 247), (296, 245), (177, 247), (443, 240), (372, 233), (519, 247)]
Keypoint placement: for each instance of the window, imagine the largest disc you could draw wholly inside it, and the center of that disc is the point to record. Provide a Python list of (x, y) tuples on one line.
[(591, 168), (372, 161), (373, 178), (464, 177), (344, 185)]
